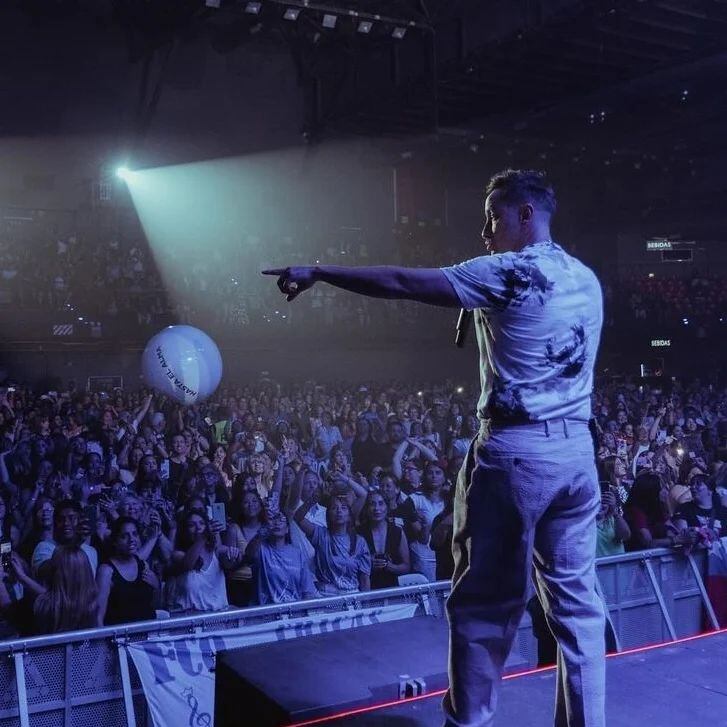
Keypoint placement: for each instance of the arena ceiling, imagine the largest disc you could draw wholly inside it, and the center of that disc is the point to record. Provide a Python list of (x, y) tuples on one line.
[(460, 62), (642, 83)]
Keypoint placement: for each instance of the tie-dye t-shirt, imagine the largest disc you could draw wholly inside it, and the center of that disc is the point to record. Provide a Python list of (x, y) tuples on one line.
[(538, 317)]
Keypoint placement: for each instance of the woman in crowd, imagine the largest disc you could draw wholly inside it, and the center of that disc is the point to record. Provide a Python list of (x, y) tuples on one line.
[(613, 530), (607, 446), (423, 507), (387, 543), (129, 465), (242, 528), (325, 436), (222, 463), (197, 565), (640, 446), (127, 586), (614, 471), (336, 464), (131, 506), (259, 467), (70, 601), (280, 571), (342, 558), (395, 499), (430, 436)]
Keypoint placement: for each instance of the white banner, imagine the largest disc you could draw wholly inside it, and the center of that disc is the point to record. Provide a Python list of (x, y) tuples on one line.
[(177, 672)]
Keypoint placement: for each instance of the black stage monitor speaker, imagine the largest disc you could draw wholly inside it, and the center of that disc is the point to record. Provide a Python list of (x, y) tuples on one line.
[(316, 676)]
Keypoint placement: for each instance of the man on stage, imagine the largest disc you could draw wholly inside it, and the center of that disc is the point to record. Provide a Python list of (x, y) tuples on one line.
[(528, 493)]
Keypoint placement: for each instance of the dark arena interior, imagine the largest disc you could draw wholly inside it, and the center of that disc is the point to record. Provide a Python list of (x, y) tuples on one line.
[(309, 415)]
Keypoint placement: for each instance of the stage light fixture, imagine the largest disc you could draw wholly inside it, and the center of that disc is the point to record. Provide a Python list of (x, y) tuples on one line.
[(253, 8), (365, 26), (329, 21), (123, 173), (399, 32), (291, 14)]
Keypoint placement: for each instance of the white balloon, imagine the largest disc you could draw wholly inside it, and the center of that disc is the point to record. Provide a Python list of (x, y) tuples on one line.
[(182, 362)]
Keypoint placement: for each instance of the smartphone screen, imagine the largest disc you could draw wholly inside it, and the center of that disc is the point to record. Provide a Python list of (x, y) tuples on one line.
[(218, 513), (5, 550)]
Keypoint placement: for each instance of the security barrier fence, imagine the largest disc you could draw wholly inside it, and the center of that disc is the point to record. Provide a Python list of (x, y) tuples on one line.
[(84, 678)]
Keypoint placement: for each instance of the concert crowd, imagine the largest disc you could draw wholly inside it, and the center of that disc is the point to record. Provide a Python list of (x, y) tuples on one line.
[(113, 281), (125, 506)]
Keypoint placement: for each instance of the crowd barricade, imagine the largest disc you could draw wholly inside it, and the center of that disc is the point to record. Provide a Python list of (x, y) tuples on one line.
[(86, 678)]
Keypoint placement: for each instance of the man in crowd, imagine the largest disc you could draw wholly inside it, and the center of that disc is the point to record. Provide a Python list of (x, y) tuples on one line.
[(528, 493), (69, 528)]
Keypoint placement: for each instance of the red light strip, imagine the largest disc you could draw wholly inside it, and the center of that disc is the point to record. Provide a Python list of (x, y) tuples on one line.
[(662, 644), (507, 677)]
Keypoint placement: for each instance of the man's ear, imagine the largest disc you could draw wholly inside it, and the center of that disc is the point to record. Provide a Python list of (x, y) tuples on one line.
[(526, 213)]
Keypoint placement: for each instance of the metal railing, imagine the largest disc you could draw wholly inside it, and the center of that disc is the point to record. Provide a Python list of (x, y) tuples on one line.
[(81, 677)]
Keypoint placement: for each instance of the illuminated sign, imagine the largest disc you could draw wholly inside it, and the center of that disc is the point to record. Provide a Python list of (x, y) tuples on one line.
[(660, 342), (659, 244)]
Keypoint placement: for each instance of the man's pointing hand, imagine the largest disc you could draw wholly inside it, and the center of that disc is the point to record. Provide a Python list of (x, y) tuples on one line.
[(293, 281)]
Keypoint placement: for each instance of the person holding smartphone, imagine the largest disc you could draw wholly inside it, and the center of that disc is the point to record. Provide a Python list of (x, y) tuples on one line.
[(280, 571), (613, 530), (248, 514), (198, 565)]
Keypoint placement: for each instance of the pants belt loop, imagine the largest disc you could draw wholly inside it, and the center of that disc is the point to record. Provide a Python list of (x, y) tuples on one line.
[(565, 428), (547, 428)]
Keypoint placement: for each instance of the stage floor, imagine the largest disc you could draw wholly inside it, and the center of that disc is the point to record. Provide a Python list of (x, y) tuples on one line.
[(680, 684)]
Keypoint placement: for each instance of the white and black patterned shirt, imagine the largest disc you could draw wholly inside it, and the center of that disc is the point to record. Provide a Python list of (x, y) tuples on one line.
[(538, 317)]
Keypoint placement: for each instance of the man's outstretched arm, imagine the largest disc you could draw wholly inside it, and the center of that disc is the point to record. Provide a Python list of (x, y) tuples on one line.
[(425, 285)]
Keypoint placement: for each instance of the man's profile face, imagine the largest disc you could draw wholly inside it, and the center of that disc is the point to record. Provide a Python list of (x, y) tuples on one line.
[(503, 227)]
